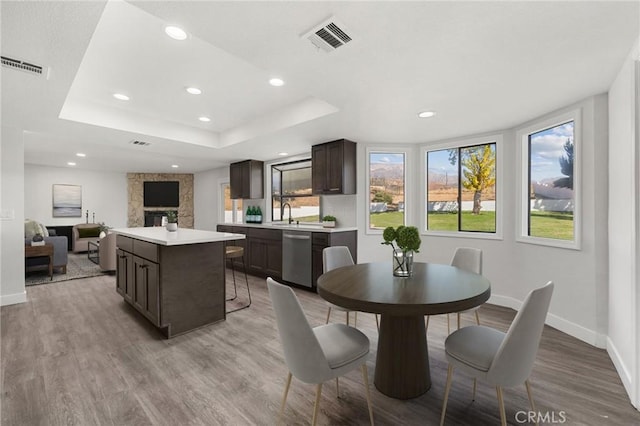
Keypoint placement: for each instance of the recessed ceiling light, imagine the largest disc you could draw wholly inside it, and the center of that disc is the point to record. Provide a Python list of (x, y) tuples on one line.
[(205, 119), (175, 33), (283, 153), (276, 82), (121, 96), (426, 114), (71, 163), (193, 90), (80, 154), (175, 166)]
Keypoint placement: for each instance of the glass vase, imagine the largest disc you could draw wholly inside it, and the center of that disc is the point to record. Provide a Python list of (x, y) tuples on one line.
[(402, 263)]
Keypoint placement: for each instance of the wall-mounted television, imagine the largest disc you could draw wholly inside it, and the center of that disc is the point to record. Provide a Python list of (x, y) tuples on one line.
[(162, 194)]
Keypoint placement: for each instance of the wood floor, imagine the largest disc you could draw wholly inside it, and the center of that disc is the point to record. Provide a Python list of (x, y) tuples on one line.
[(76, 354)]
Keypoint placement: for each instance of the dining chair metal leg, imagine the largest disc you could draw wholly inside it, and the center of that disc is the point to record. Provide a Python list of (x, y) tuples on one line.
[(503, 416), (284, 397), (458, 320), (365, 379), (317, 404), (533, 405), (328, 314), (448, 325), (246, 280), (447, 388), (337, 388), (477, 317), (347, 313), (475, 384), (235, 288)]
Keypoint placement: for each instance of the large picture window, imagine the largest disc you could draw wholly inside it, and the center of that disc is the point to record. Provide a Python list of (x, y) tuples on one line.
[(386, 189), (291, 192), (550, 185), (551, 172), (461, 188)]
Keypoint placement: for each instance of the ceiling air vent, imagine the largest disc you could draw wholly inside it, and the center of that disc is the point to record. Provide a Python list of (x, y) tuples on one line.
[(27, 67), (328, 36), (140, 143)]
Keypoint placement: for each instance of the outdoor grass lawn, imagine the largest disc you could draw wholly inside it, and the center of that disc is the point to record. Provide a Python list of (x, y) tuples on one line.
[(553, 225), (483, 222)]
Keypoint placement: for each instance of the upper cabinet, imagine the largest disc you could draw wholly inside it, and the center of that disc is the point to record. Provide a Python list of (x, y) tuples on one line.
[(333, 166), (247, 179)]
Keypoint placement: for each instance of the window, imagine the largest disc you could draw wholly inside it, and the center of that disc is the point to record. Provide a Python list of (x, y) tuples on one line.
[(386, 189), (461, 188), (291, 183), (550, 183), (232, 209)]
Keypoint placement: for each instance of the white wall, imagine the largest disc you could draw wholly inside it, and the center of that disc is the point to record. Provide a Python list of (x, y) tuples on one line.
[(579, 302), (12, 224), (624, 327), (103, 193), (207, 198)]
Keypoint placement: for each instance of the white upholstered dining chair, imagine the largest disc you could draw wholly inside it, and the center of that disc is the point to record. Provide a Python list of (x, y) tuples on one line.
[(469, 259), (333, 258), (316, 355), (501, 359)]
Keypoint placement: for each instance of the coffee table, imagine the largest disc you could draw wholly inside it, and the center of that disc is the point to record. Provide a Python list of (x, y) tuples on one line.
[(41, 251), (93, 251), (402, 360)]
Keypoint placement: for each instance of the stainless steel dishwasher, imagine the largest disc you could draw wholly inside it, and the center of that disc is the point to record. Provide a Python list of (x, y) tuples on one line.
[(296, 257)]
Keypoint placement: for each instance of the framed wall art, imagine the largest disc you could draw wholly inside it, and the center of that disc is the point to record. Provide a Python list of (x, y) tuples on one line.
[(67, 200)]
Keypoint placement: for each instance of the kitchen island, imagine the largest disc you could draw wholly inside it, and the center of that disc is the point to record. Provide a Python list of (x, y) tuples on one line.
[(175, 279)]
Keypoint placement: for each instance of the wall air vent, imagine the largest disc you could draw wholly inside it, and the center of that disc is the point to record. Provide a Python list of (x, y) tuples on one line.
[(27, 67), (328, 36), (140, 143)]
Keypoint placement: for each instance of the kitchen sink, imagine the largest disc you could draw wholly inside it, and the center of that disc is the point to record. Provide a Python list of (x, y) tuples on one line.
[(296, 226)]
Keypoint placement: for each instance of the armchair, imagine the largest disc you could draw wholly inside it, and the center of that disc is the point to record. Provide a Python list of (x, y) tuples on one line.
[(82, 233)]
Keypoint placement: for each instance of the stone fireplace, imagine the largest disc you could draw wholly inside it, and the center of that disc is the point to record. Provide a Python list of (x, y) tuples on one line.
[(139, 215)]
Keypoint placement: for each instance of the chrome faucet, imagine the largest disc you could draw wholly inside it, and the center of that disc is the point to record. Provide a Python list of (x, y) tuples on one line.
[(282, 212)]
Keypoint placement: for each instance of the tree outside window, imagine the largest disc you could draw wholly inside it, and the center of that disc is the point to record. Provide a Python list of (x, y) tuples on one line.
[(461, 189)]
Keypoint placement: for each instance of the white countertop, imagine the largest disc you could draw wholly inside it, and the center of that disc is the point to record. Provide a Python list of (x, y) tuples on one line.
[(159, 235), (293, 226)]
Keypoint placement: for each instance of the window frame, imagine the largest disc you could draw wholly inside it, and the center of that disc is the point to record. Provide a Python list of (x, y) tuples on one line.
[(464, 143), (269, 178), (406, 151), (522, 219)]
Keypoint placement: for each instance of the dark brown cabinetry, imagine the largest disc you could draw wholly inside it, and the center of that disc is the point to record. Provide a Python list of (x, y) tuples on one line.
[(262, 249), (246, 178), (321, 240), (333, 166), (265, 251), (177, 288)]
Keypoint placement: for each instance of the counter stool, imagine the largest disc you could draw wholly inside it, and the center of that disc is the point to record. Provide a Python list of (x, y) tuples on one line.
[(234, 252)]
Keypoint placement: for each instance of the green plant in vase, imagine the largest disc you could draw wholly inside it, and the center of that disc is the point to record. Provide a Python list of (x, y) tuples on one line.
[(329, 221), (172, 221), (407, 241)]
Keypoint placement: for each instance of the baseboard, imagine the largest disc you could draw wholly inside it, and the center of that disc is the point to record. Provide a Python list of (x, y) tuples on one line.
[(12, 299), (571, 328), (622, 370)]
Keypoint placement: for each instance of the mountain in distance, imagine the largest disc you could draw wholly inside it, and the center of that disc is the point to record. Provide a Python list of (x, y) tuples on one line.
[(386, 171)]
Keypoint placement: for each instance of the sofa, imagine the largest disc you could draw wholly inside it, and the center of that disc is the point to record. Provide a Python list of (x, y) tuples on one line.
[(82, 234), (59, 243)]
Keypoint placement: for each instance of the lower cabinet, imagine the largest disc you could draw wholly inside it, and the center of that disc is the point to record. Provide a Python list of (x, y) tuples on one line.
[(146, 289), (124, 271), (265, 252)]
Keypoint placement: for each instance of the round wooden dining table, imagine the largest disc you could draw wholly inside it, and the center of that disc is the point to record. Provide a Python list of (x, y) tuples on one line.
[(402, 361)]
